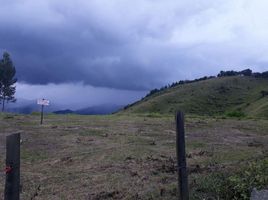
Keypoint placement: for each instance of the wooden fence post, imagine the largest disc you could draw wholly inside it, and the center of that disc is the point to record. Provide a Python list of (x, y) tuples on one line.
[(12, 186), (181, 157)]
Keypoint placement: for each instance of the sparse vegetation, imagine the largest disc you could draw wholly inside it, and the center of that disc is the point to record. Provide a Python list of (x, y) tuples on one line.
[(237, 114), (133, 157), (246, 72), (236, 185), (236, 95), (264, 93)]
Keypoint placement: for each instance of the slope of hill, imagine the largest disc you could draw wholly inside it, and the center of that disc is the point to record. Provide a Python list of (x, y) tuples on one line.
[(215, 96)]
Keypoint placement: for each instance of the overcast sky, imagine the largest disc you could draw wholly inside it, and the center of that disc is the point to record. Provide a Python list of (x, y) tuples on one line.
[(128, 47)]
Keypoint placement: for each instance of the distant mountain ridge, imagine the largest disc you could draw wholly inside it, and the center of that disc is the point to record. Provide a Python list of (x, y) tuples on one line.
[(64, 112), (23, 106), (93, 110)]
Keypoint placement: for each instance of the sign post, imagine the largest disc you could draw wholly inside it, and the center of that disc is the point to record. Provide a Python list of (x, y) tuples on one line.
[(42, 102), (42, 114)]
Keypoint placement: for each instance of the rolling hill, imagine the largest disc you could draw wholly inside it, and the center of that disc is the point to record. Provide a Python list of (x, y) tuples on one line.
[(233, 95)]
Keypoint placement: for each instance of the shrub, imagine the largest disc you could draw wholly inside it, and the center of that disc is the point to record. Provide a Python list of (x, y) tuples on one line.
[(237, 114), (235, 186), (240, 185), (35, 113), (264, 93), (153, 115)]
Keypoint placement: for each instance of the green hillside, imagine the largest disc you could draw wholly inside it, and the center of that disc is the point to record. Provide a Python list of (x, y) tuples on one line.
[(234, 95)]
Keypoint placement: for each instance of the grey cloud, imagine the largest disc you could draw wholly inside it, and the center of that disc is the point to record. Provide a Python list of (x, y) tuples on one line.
[(130, 45)]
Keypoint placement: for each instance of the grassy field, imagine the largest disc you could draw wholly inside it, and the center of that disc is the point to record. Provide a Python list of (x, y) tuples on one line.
[(127, 156)]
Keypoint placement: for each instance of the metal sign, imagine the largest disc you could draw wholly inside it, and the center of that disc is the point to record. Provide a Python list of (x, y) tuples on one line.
[(43, 102)]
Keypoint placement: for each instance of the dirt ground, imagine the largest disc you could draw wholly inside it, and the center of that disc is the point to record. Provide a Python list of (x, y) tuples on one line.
[(124, 157)]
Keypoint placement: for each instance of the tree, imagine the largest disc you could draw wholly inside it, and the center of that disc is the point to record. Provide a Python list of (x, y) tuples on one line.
[(7, 80), (246, 72)]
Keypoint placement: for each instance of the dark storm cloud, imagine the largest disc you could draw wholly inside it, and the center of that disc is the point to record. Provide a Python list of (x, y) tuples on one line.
[(130, 45), (75, 52)]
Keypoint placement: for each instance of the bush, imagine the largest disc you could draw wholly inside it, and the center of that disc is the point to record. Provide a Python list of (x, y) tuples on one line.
[(235, 186), (154, 115), (264, 93), (237, 114), (240, 186), (35, 113)]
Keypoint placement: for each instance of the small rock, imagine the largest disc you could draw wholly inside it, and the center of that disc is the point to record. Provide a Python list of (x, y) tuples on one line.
[(189, 155), (66, 159), (78, 140), (259, 195), (134, 173), (105, 135), (129, 158)]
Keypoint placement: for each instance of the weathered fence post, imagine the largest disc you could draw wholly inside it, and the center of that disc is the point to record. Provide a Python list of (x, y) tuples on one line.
[(181, 158), (12, 186)]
